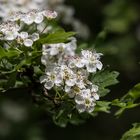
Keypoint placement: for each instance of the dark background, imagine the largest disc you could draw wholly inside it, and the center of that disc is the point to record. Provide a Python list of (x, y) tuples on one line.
[(121, 48)]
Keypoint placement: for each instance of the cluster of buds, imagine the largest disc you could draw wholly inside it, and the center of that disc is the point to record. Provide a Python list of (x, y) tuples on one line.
[(13, 29), (70, 72)]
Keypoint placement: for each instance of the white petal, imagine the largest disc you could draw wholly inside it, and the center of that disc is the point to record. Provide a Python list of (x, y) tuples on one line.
[(58, 79), (67, 89), (96, 96), (71, 65), (70, 82), (39, 18), (79, 63), (44, 59), (79, 99), (90, 109), (28, 42), (49, 84), (50, 14), (23, 35), (54, 51), (43, 79), (10, 35), (28, 20), (35, 36), (86, 93), (80, 84), (99, 65), (94, 88), (81, 108), (91, 68)]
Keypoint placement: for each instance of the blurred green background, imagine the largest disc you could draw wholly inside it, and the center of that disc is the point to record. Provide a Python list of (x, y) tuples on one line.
[(117, 24)]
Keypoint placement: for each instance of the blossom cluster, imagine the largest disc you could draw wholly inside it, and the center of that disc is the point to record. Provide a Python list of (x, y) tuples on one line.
[(64, 69), (13, 29), (70, 72), (66, 13)]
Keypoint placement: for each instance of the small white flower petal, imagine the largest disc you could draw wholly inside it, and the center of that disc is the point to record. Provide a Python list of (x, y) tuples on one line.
[(91, 68), (79, 63), (90, 109), (94, 88), (35, 36), (44, 59), (49, 84), (96, 96), (67, 89), (81, 108), (9, 35), (54, 51), (28, 42), (43, 79), (70, 82), (99, 65), (86, 93), (39, 18), (58, 79), (23, 35), (79, 99), (50, 14)]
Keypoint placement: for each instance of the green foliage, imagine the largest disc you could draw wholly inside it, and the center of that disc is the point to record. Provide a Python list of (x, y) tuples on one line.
[(133, 133), (104, 79), (56, 37), (128, 101), (103, 106)]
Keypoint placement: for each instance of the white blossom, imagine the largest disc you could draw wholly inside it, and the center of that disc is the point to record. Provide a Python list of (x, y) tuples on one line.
[(28, 42), (72, 73), (35, 36), (50, 14), (85, 102), (91, 60)]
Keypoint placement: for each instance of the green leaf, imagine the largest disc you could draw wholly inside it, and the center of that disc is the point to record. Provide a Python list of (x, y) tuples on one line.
[(102, 106), (128, 100), (135, 91), (105, 79), (127, 106), (12, 52), (57, 37), (2, 52), (12, 80), (133, 133)]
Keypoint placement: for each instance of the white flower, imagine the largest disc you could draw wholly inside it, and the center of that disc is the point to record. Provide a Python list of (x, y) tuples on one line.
[(10, 35), (50, 14), (68, 75), (35, 36), (72, 91), (94, 88), (81, 108), (23, 35), (44, 59), (28, 42), (48, 84), (52, 78), (79, 62), (38, 18), (84, 101), (95, 95), (9, 30), (91, 60)]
